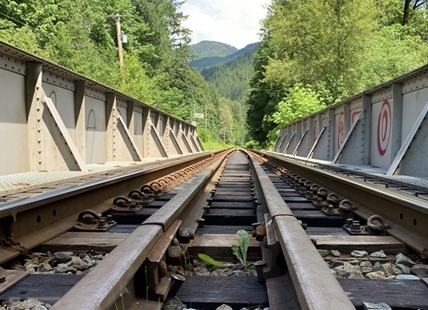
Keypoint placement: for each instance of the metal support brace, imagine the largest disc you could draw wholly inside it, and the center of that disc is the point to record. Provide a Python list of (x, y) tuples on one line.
[(277, 144), (296, 150), (155, 138), (311, 152), (64, 142), (186, 142), (289, 142), (174, 142), (129, 141), (280, 148), (197, 142)]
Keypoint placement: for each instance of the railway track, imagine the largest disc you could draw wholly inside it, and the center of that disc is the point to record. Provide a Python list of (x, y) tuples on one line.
[(156, 253)]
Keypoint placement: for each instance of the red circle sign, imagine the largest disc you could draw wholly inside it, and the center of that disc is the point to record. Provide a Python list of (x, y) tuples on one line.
[(384, 128), (340, 131)]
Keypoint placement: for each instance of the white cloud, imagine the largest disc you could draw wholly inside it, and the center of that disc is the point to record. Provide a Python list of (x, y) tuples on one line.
[(235, 22)]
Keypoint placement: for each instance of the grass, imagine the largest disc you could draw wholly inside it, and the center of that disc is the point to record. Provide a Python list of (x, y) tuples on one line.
[(214, 145)]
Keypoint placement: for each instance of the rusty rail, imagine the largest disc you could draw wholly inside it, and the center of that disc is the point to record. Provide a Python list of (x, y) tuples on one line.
[(407, 215), (315, 285), (102, 286), (37, 219)]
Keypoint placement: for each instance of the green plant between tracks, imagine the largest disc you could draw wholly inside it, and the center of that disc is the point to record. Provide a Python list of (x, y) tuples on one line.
[(240, 251)]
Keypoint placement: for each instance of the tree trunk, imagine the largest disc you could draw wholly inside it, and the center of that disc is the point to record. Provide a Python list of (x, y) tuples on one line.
[(406, 11)]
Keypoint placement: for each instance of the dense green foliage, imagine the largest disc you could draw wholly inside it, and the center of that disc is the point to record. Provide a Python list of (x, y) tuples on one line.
[(336, 48), (211, 49), (231, 80), (300, 102), (81, 35)]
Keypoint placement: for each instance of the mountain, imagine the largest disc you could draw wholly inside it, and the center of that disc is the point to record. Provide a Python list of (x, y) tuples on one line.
[(232, 79), (212, 61), (211, 49)]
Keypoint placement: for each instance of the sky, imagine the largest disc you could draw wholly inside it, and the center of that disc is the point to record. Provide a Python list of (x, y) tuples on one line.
[(234, 22)]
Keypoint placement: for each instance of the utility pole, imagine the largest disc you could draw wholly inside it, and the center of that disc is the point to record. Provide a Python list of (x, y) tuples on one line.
[(119, 42), (120, 37)]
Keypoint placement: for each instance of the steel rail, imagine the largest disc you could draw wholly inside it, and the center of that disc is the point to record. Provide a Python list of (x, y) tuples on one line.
[(100, 288), (407, 215), (315, 285), (124, 174), (36, 220)]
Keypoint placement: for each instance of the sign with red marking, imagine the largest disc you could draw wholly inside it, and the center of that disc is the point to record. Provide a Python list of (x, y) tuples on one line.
[(384, 128), (340, 131), (354, 116)]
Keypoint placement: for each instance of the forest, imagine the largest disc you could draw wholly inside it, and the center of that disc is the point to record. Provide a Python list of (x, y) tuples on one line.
[(312, 54), (315, 53)]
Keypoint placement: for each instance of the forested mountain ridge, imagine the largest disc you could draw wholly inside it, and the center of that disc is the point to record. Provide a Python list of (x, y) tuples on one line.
[(232, 82), (315, 53), (211, 49), (208, 62), (232, 79)]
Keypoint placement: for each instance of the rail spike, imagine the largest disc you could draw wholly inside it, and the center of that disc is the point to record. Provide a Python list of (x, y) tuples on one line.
[(377, 228), (126, 204)]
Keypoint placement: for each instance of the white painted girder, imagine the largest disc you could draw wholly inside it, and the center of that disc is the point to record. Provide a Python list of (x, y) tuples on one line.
[(384, 127)]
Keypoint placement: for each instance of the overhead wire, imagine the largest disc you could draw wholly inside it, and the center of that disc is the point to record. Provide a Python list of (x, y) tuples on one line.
[(13, 19)]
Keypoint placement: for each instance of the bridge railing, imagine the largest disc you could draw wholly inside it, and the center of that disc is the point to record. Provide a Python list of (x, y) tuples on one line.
[(55, 119), (383, 127)]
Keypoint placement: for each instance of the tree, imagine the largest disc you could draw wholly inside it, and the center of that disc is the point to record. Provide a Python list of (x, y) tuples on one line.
[(391, 51), (232, 79), (263, 97), (300, 102), (225, 122), (414, 5), (319, 43)]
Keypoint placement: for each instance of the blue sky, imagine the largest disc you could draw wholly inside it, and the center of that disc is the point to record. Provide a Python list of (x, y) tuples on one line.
[(235, 22)]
